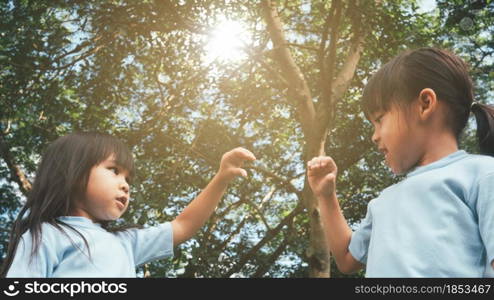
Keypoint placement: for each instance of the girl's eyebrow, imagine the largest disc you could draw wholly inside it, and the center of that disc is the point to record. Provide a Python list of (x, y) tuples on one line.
[(377, 115), (114, 162)]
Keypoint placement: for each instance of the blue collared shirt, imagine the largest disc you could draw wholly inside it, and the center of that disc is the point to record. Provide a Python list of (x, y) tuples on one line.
[(110, 254), (437, 222)]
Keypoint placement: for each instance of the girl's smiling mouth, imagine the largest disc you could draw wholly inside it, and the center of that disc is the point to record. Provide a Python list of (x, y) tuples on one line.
[(122, 201)]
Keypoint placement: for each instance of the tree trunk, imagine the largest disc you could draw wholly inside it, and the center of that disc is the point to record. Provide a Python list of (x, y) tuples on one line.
[(315, 123), (16, 173)]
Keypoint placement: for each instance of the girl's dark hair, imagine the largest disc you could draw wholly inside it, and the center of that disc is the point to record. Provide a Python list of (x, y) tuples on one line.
[(62, 178), (401, 80), (484, 115)]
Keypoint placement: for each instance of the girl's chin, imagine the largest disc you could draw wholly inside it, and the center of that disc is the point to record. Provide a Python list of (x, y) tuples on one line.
[(113, 217), (398, 171), (395, 169)]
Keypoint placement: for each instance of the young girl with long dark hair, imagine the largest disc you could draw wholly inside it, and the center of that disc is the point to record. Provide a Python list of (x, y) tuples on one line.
[(439, 220), (82, 183)]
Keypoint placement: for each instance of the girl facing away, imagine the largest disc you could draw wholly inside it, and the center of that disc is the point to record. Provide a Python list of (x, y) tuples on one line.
[(439, 220), (82, 183)]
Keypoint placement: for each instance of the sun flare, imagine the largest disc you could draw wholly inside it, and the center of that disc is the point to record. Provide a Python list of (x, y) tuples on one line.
[(226, 41)]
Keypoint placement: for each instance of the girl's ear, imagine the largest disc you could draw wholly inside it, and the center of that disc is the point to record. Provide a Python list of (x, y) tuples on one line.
[(427, 102)]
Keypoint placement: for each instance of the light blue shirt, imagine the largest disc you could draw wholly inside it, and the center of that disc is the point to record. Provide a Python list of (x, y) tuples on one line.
[(111, 254), (438, 222)]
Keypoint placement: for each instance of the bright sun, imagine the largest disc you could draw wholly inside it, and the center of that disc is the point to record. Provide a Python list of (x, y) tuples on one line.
[(226, 41)]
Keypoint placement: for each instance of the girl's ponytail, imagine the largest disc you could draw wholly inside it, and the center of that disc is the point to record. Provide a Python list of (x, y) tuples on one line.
[(484, 115)]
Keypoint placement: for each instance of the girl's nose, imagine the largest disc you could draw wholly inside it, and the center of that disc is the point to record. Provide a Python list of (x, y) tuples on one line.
[(375, 137), (124, 186)]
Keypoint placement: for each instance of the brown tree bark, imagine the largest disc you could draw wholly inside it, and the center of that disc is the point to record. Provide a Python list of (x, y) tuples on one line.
[(315, 121), (16, 172)]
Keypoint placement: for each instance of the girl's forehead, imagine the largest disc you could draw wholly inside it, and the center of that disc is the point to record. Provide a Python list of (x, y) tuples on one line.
[(393, 109), (120, 157), (392, 106), (375, 114), (112, 159)]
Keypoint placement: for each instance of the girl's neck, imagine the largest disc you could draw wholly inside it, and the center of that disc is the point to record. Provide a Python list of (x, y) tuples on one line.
[(438, 146)]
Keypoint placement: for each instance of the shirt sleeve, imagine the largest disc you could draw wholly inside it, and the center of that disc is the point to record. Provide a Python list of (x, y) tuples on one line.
[(41, 264), (151, 243), (485, 212), (359, 243)]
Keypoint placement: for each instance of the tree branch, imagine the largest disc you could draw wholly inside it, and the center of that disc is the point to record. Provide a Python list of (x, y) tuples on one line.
[(302, 46), (281, 248), (233, 233), (336, 5), (339, 85), (258, 211), (269, 235), (265, 267), (344, 78), (279, 181), (324, 38), (298, 88), (16, 173), (259, 57), (215, 217)]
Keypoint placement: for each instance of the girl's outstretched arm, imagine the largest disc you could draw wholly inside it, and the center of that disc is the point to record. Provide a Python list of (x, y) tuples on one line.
[(321, 172), (193, 217)]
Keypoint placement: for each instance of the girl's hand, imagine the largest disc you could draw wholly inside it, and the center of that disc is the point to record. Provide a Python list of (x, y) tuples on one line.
[(321, 173), (231, 163)]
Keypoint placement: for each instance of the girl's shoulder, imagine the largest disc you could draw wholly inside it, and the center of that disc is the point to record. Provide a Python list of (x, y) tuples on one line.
[(50, 233), (479, 164), (47, 237), (480, 157)]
